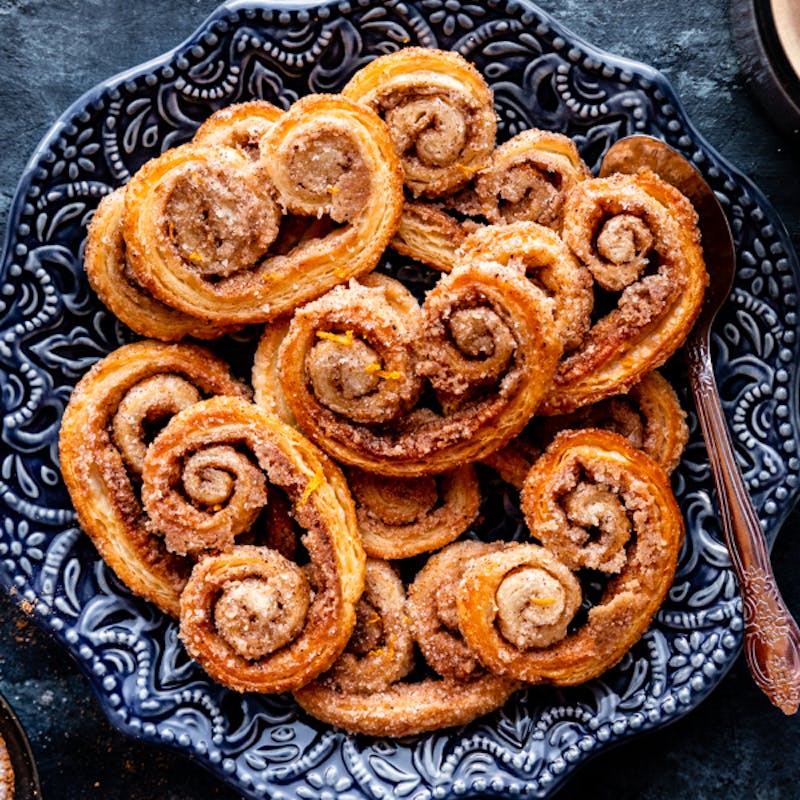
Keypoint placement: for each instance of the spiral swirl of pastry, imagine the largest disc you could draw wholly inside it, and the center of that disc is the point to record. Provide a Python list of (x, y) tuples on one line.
[(528, 177), (370, 689), (592, 500), (433, 614), (639, 237), (205, 234), (110, 275), (513, 603), (487, 343), (381, 649), (485, 325), (440, 113), (350, 354), (108, 424), (548, 262), (403, 517), (254, 620), (649, 416), (241, 126)]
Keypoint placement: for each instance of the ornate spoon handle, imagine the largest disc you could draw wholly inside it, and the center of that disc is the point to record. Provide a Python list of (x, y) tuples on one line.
[(771, 636)]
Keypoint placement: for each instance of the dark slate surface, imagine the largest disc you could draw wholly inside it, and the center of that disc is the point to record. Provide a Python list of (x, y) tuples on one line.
[(735, 745)]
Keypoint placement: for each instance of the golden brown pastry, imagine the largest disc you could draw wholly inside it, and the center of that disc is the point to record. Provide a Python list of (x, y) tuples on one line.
[(350, 368), (429, 235), (526, 179), (110, 275), (649, 416), (639, 237), (593, 501), (370, 691), (241, 126), (6, 773), (440, 113), (205, 226), (251, 617), (512, 604), (403, 517), (432, 609), (548, 262), (107, 426), (265, 377)]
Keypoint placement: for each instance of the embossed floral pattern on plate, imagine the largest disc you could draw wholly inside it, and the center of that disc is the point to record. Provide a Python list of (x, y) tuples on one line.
[(52, 329)]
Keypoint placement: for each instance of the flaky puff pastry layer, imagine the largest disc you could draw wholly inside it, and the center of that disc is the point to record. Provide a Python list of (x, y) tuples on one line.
[(253, 619), (593, 501), (403, 517), (440, 113), (638, 236), (546, 261), (649, 416), (370, 691), (111, 276), (485, 341), (527, 179), (206, 227), (102, 446), (241, 126)]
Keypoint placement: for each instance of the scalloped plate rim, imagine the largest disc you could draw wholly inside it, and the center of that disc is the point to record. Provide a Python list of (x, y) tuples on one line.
[(637, 68)]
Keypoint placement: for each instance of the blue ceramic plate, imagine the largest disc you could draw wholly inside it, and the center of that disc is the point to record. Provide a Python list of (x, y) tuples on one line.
[(53, 329)]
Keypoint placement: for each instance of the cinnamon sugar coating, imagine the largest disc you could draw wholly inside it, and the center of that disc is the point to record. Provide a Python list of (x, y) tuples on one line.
[(478, 318), (6, 773), (105, 429), (439, 111), (533, 353)]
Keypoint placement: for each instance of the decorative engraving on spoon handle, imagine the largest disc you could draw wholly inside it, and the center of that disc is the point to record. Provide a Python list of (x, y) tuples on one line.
[(771, 636)]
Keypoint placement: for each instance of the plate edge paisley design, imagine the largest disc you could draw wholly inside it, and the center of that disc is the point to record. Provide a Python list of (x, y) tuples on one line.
[(155, 693)]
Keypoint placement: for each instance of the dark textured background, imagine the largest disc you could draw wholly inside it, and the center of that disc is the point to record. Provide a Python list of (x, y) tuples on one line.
[(735, 745)]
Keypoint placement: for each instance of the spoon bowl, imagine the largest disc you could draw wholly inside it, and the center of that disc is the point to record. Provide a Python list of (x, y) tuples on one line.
[(771, 635)]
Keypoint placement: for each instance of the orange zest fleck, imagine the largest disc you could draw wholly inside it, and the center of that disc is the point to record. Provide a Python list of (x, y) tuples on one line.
[(543, 601), (196, 258), (340, 273), (390, 375), (331, 189), (379, 651), (345, 339), (316, 480), (376, 617), (470, 171)]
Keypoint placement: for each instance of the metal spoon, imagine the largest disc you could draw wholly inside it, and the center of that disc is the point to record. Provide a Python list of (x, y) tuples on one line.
[(771, 636)]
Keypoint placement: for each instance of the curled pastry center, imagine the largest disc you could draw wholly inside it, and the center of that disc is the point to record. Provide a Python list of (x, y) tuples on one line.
[(368, 633), (433, 128), (257, 615), (218, 224), (400, 501), (342, 372), (145, 408), (523, 192), (210, 476), (328, 167), (623, 241), (533, 608), (600, 527), (480, 333)]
